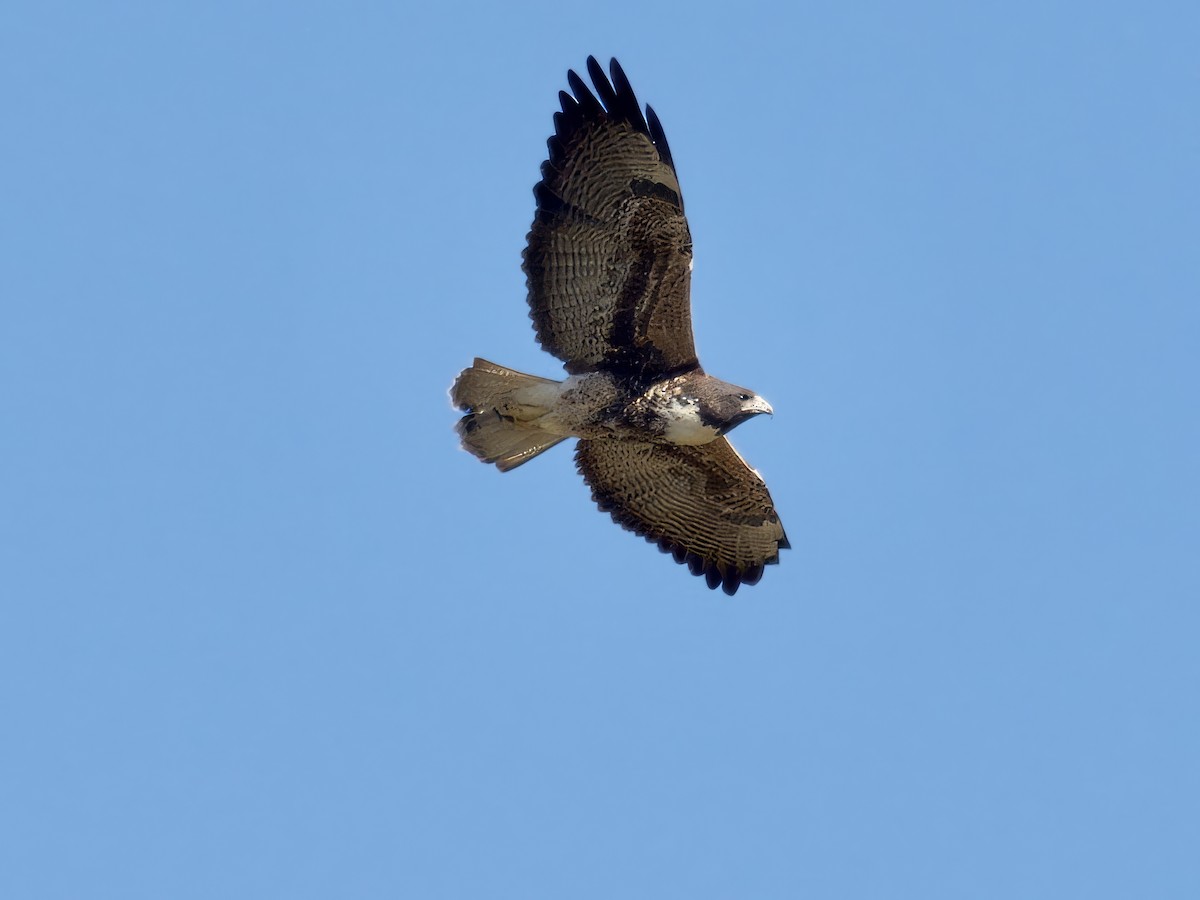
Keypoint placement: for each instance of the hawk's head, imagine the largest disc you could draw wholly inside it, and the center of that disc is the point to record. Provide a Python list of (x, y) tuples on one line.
[(701, 408)]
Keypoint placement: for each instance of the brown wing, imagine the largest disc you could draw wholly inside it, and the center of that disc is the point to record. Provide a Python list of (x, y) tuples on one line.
[(608, 259), (702, 504)]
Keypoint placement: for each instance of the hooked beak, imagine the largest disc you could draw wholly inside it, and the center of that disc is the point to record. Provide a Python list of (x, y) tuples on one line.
[(759, 405), (756, 406)]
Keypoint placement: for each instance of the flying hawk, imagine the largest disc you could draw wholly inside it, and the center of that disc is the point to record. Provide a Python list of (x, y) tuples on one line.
[(608, 264)]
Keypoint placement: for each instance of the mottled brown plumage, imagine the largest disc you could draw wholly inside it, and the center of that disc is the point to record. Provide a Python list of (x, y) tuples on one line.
[(608, 260), (608, 266), (701, 504)]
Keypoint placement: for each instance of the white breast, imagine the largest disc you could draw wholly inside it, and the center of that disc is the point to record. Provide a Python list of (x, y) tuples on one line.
[(684, 426)]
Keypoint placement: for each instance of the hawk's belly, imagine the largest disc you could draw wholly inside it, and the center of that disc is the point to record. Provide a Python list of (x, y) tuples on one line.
[(587, 406), (598, 405)]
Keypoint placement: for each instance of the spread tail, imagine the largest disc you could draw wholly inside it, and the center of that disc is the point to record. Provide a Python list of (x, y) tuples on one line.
[(501, 404)]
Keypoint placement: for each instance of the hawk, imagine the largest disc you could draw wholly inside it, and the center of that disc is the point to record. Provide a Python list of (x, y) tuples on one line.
[(608, 268)]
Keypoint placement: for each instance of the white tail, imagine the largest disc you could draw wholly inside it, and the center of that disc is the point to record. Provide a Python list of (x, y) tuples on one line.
[(494, 427)]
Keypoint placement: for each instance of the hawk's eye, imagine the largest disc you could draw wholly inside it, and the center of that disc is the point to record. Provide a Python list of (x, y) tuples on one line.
[(743, 396)]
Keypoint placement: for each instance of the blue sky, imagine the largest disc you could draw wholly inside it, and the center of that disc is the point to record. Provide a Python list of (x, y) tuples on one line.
[(265, 630)]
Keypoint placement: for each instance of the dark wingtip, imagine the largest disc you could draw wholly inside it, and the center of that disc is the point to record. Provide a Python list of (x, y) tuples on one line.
[(716, 575), (547, 201), (625, 101), (612, 97), (589, 106), (620, 81), (600, 80), (658, 136), (728, 578), (753, 575)]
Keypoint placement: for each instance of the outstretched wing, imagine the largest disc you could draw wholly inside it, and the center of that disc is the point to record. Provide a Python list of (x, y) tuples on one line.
[(608, 259), (702, 504)]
